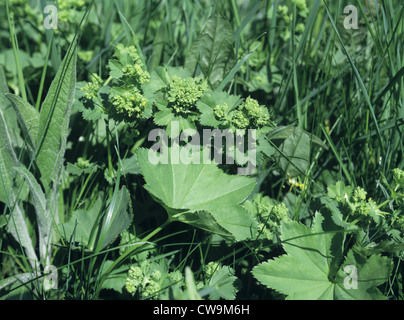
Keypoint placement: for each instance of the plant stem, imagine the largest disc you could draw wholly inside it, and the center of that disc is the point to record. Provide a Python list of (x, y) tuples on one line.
[(45, 67), (14, 44)]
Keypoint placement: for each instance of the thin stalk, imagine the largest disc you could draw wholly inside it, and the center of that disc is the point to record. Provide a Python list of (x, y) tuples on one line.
[(45, 67), (14, 44)]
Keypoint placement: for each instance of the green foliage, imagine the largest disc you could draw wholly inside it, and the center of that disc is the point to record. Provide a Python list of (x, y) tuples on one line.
[(199, 194), (175, 96), (54, 120), (123, 100), (211, 53), (354, 206), (314, 265), (270, 215), (96, 228), (155, 280), (85, 188)]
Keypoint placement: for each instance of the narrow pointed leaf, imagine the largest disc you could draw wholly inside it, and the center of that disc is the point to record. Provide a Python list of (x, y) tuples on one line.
[(117, 218), (43, 217), (54, 119), (16, 224), (28, 117), (8, 160)]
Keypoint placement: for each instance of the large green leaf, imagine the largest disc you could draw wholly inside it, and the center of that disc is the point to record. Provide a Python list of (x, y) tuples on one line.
[(293, 154), (200, 194), (213, 50), (307, 271), (54, 119), (8, 159), (28, 117), (16, 224), (43, 216)]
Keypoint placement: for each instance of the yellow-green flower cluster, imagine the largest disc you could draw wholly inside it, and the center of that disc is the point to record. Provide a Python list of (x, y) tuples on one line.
[(91, 88), (270, 214), (147, 280), (129, 104), (354, 204), (128, 74), (221, 111), (183, 94), (240, 120), (257, 114), (133, 68), (136, 71), (138, 280), (251, 114), (398, 176)]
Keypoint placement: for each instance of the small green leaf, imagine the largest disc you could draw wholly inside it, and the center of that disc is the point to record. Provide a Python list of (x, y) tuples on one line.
[(223, 281)]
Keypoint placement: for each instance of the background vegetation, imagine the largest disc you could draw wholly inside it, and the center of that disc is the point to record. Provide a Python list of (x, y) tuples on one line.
[(335, 101)]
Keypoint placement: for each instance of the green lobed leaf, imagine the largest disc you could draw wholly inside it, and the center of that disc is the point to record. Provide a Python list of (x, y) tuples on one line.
[(223, 281), (306, 272), (54, 119), (190, 191)]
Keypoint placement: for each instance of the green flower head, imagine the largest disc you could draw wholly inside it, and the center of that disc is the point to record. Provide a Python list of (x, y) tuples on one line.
[(183, 94), (398, 176), (240, 120), (91, 88), (221, 111), (130, 104)]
